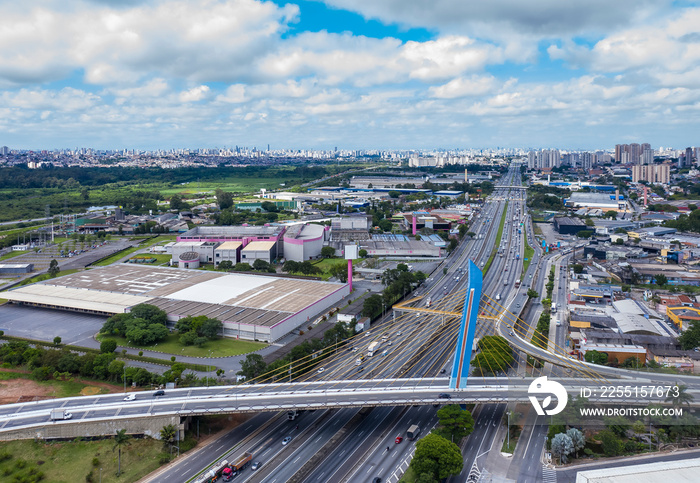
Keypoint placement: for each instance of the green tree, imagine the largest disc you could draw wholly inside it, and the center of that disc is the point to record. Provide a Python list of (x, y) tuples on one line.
[(167, 434), (578, 268), (57, 341), (176, 202), (108, 346), (261, 265), (253, 366), (290, 266), (394, 194), (149, 313), (454, 423), (661, 279), (121, 439), (438, 457), (225, 265), (690, 338), (212, 329), (362, 253), (54, 269), (532, 293), (611, 444), (327, 252), (612, 214), (372, 305), (596, 357), (224, 199), (242, 267), (385, 225)]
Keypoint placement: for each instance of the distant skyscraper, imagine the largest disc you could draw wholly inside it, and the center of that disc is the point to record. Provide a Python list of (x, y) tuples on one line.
[(648, 156), (4, 151), (688, 156)]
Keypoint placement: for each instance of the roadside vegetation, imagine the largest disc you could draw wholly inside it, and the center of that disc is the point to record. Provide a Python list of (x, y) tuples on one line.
[(498, 240)]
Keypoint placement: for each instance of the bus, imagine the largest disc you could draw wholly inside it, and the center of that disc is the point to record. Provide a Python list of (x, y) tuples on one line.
[(517, 283)]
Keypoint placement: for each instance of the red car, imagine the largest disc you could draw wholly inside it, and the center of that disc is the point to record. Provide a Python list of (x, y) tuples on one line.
[(398, 439)]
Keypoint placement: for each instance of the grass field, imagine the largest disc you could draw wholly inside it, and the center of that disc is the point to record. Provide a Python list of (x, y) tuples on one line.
[(116, 256), (244, 185), (71, 462), (160, 259), (213, 348)]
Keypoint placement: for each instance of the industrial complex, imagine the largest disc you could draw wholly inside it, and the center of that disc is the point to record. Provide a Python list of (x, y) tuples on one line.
[(253, 307)]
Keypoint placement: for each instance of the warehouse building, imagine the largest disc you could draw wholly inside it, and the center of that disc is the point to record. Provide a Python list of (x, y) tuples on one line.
[(15, 268), (230, 251), (252, 307), (569, 226)]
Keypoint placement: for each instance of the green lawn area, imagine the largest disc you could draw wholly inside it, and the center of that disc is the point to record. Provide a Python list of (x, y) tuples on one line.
[(72, 461), (409, 476), (160, 259), (245, 185), (116, 256), (213, 348)]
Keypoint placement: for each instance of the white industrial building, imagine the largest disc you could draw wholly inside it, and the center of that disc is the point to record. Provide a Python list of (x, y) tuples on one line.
[(252, 307)]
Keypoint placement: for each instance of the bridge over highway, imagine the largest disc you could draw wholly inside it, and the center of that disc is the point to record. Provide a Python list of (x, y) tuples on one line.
[(338, 387)]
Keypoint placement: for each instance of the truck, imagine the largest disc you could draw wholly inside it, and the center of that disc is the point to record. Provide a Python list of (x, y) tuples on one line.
[(236, 466), (60, 415), (373, 347), (427, 303), (554, 308), (413, 432), (517, 283), (292, 415)]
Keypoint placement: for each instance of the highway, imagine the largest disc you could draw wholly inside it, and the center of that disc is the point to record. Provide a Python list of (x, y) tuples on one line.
[(416, 347)]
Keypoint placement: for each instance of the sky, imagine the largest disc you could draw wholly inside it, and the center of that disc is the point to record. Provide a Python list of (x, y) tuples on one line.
[(352, 74)]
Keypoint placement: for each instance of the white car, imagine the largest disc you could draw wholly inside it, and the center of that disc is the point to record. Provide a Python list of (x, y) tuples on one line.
[(130, 397), (321, 370)]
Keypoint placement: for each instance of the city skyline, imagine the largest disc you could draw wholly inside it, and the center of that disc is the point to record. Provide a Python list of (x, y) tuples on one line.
[(356, 75)]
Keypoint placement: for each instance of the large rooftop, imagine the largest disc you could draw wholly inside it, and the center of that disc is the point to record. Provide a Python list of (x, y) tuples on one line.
[(237, 298)]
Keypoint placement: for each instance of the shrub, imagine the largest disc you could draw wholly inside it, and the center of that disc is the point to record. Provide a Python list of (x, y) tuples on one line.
[(95, 461)]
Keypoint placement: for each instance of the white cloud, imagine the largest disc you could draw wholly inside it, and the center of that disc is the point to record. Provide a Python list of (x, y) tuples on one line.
[(195, 94), (198, 40), (463, 87)]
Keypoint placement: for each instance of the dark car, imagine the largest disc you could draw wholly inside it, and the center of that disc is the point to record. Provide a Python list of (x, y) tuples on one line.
[(255, 466), (159, 392), (444, 396), (377, 480)]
